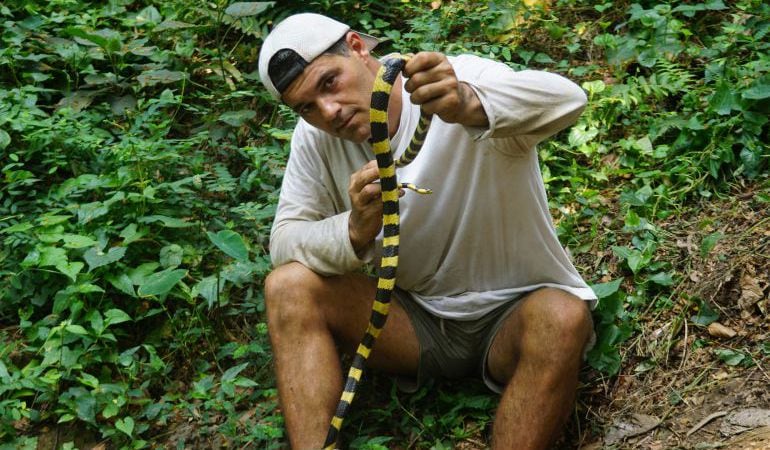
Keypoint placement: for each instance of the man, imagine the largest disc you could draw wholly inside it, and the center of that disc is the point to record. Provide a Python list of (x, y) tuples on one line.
[(484, 286)]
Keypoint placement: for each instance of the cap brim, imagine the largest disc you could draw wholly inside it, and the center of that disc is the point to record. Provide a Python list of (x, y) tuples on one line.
[(370, 41)]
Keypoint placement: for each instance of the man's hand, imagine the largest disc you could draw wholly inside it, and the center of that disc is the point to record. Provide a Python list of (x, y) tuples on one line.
[(366, 200), (434, 86)]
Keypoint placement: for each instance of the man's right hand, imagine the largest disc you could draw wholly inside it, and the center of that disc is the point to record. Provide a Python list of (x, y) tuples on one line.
[(366, 200)]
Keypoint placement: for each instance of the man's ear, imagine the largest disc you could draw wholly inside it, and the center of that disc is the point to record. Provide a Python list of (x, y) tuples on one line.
[(356, 44)]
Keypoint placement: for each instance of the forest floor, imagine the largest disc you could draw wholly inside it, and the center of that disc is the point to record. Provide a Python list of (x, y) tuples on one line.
[(705, 390)]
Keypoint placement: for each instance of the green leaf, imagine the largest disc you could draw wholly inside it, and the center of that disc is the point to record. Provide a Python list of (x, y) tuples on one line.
[(730, 357), (245, 9), (171, 256), (125, 425), (760, 91), (130, 234), (582, 134), (708, 243), (97, 258), (5, 139), (111, 410), (90, 211), (604, 290), (207, 288), (172, 25), (122, 283), (115, 316), (169, 222), (70, 269), (705, 315), (5, 377), (52, 256), (233, 372), (86, 407), (149, 14), (32, 259), (88, 380), (139, 274), (77, 241), (21, 226), (76, 329), (723, 101), (662, 278), (231, 243), (48, 220), (163, 76), (161, 283), (237, 118)]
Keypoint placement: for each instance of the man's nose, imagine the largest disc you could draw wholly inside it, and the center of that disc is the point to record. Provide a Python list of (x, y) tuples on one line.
[(328, 108)]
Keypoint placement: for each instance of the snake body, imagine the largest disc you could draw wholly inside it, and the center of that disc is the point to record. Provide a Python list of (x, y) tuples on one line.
[(378, 116)]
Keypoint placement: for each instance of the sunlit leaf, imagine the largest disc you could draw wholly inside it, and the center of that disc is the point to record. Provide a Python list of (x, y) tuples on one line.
[(161, 283), (231, 243), (244, 9), (162, 76), (98, 258), (237, 118), (603, 290)]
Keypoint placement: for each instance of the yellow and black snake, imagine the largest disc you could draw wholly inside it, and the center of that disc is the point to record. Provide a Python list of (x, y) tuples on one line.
[(378, 116)]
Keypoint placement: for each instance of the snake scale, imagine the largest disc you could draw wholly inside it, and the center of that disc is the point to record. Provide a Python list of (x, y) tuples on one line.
[(378, 116)]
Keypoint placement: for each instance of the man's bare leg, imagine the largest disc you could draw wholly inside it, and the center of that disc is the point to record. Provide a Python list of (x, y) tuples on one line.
[(538, 351), (308, 316)]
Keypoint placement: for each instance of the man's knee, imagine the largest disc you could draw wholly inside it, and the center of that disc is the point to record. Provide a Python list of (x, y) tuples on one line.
[(558, 322), (289, 294)]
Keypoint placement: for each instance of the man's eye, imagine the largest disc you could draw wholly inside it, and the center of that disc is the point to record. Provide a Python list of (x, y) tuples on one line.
[(329, 82)]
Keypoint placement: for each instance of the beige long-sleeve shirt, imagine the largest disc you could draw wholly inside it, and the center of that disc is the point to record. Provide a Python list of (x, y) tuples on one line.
[(484, 235)]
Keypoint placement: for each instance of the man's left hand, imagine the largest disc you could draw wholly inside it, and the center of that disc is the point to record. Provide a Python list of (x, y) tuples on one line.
[(434, 86)]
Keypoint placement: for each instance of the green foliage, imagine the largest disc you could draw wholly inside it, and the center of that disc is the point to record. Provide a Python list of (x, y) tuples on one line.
[(135, 206), (141, 162)]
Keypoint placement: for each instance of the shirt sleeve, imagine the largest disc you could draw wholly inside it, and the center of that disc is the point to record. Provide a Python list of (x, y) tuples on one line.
[(528, 104), (308, 228)]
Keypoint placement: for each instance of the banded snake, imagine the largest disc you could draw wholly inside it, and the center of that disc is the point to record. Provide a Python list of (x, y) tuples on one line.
[(378, 116)]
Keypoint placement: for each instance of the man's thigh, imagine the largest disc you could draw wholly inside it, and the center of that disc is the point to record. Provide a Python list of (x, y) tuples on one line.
[(345, 303)]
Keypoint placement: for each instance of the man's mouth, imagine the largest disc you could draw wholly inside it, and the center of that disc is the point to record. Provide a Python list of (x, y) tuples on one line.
[(345, 123)]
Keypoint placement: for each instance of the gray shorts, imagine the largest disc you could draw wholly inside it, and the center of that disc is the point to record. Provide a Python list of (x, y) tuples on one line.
[(452, 348)]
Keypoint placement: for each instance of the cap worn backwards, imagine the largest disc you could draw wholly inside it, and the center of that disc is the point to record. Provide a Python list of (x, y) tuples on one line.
[(294, 43)]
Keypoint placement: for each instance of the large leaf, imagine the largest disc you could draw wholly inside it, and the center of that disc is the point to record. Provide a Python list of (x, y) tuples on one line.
[(97, 258), (231, 243), (122, 283), (52, 256), (237, 118), (71, 269), (114, 316), (163, 76), (604, 290), (759, 91), (170, 222), (209, 288), (5, 139), (161, 283), (125, 425), (245, 9)]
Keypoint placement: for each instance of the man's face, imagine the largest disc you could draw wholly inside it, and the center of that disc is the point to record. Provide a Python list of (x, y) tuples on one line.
[(333, 94)]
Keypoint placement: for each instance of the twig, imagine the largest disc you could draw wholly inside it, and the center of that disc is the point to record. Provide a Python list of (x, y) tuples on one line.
[(706, 420), (684, 347)]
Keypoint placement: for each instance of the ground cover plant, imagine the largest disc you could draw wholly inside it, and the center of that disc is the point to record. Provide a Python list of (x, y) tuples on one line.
[(141, 162)]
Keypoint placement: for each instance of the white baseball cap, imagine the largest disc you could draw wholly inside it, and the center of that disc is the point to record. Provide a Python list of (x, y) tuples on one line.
[(294, 43)]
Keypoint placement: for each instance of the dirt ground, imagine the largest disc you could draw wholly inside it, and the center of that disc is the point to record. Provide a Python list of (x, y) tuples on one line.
[(684, 386)]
